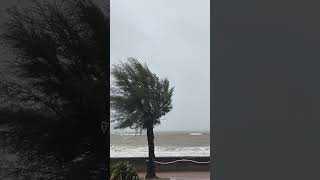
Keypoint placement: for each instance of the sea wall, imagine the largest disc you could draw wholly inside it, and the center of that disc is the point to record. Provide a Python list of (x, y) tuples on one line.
[(140, 163)]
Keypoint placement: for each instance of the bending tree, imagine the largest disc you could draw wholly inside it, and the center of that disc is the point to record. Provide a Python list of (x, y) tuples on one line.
[(62, 53), (139, 98)]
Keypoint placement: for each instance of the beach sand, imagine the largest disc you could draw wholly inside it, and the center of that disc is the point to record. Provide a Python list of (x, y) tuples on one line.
[(183, 175)]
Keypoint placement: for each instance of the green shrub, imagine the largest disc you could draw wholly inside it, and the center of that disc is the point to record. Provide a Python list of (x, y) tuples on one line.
[(124, 171)]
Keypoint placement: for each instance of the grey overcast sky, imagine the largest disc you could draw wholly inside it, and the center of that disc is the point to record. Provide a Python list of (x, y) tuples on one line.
[(173, 38)]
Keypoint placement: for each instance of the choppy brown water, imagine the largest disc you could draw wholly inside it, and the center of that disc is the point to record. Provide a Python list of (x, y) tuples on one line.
[(124, 144)]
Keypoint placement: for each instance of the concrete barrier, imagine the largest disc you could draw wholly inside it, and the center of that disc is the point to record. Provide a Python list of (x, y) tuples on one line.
[(140, 163)]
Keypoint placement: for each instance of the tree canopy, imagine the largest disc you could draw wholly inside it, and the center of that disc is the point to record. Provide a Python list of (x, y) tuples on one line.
[(61, 53), (138, 98)]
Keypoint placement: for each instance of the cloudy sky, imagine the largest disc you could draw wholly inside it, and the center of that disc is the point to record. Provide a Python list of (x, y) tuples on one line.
[(173, 38)]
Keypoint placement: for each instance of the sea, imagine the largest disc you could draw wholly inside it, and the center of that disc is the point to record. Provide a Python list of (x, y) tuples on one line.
[(167, 144)]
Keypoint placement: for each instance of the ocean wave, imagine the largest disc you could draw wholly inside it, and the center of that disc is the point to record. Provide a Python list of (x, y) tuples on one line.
[(160, 151), (196, 134), (132, 134), (128, 134)]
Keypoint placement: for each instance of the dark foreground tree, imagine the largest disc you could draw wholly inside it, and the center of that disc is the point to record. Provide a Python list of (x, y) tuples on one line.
[(62, 52), (139, 98)]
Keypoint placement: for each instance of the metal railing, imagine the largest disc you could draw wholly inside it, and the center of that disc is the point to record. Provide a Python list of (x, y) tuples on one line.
[(183, 160)]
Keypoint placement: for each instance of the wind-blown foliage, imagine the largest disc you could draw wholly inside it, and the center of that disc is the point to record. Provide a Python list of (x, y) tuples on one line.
[(124, 171), (139, 97), (61, 50)]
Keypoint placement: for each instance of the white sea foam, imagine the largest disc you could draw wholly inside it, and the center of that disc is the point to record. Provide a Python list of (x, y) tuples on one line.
[(128, 133), (160, 151), (196, 134), (132, 134)]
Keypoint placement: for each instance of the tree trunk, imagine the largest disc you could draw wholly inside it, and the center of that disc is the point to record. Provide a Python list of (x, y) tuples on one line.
[(151, 168)]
